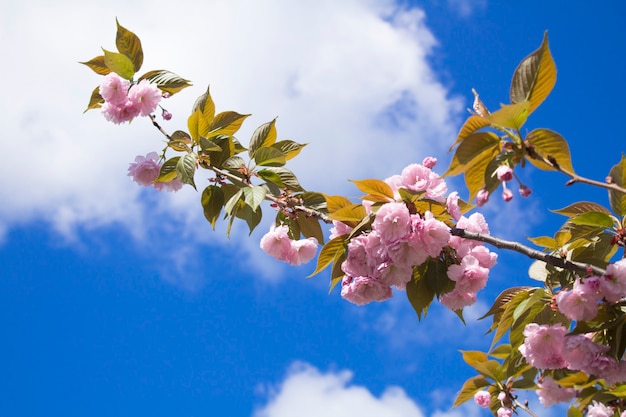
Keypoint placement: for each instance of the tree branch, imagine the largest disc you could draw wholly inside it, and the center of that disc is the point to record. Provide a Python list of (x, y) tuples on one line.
[(580, 268)]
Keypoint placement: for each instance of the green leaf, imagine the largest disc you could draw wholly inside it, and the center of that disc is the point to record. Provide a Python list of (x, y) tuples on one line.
[(186, 168), (97, 65), (166, 81), (353, 213), (208, 145), (212, 203), (550, 145), (335, 202), (593, 218), (168, 170), (95, 101), (329, 253), (315, 201), (129, 44), (271, 177), (473, 150), (544, 241), (119, 64), (574, 412), (501, 352), (205, 110), (310, 227), (534, 77), (232, 202), (580, 208), (471, 125), (263, 136), (473, 357), (477, 172), (470, 387), (226, 123), (287, 178), (420, 296), (254, 196), (512, 116), (252, 217), (269, 156), (375, 187), (288, 147), (617, 174)]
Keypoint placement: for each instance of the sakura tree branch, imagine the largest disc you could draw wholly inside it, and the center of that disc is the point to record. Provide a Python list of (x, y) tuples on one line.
[(578, 267), (574, 178)]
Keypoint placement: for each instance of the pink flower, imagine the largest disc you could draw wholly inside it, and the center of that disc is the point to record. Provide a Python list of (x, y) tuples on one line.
[(432, 234), (339, 229), (482, 398), (543, 345), (277, 243), (551, 393), (392, 221), (304, 251), (504, 412), (613, 284), (580, 352), (482, 196), (429, 162), (597, 409), (452, 205), (363, 290), (124, 112), (114, 90), (486, 258), (170, 186), (470, 277), (578, 304), (145, 169), (457, 300), (145, 97), (364, 255), (507, 195), (417, 177), (524, 191), (504, 173), (394, 275)]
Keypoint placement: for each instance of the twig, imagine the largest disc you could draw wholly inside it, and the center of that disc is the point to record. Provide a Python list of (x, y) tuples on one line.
[(577, 267), (525, 408)]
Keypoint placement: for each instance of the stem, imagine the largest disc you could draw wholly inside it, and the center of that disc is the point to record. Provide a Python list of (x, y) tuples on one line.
[(525, 408), (580, 268), (574, 178), (155, 124)]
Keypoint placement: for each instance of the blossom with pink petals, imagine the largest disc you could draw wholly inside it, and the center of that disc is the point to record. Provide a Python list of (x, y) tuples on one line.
[(504, 412), (120, 113), (145, 169), (169, 186), (580, 303), (550, 392), (452, 205), (277, 243), (429, 162), (114, 89), (145, 96), (363, 290), (392, 221), (482, 398), (543, 346), (482, 196), (457, 300), (597, 409), (469, 276), (417, 177), (304, 250)]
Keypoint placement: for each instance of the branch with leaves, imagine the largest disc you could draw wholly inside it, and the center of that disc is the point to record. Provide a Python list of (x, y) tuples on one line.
[(565, 337)]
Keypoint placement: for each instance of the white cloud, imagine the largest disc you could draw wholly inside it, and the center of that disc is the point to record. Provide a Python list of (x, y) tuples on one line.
[(466, 8), (308, 392), (350, 78)]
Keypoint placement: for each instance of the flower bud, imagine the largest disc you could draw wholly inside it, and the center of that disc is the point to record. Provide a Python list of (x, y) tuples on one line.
[(524, 191), (166, 115), (507, 195), (482, 197), (504, 173)]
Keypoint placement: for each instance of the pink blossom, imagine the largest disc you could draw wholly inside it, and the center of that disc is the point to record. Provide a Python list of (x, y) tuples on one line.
[(524, 191), (394, 275), (304, 250), (169, 186), (277, 243), (577, 304), (482, 398), (551, 393), (145, 169), (392, 221), (475, 223), (114, 90), (507, 195), (580, 351), (504, 412), (364, 254), (395, 183), (617, 375), (363, 290), (543, 345), (486, 258), (417, 177), (597, 409), (502, 396), (482, 196), (613, 284), (145, 96), (429, 162), (457, 300), (504, 173), (339, 229), (433, 235), (452, 205), (469, 276), (124, 112)]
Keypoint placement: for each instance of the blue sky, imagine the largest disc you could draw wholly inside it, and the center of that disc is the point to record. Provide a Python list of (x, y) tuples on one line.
[(115, 300)]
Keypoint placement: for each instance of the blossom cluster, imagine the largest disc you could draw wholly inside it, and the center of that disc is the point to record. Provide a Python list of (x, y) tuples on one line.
[(550, 347), (123, 101), (399, 240), (279, 245), (145, 170)]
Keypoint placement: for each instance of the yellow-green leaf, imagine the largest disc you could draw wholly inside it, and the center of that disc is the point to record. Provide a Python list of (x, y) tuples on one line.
[(512, 116), (329, 253), (544, 241), (212, 203), (310, 227), (288, 147), (226, 123), (475, 173), (129, 44), (192, 124), (95, 101), (97, 65), (263, 136), (353, 213), (470, 387), (471, 125), (374, 187), (581, 207), (475, 148), (616, 198), (472, 357), (593, 218), (166, 81), (336, 202), (534, 77), (552, 146), (205, 108), (168, 170), (119, 64)]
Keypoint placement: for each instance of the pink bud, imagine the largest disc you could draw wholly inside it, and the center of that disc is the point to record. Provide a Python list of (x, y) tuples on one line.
[(504, 173), (166, 115), (482, 197), (524, 191), (429, 162), (507, 195)]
